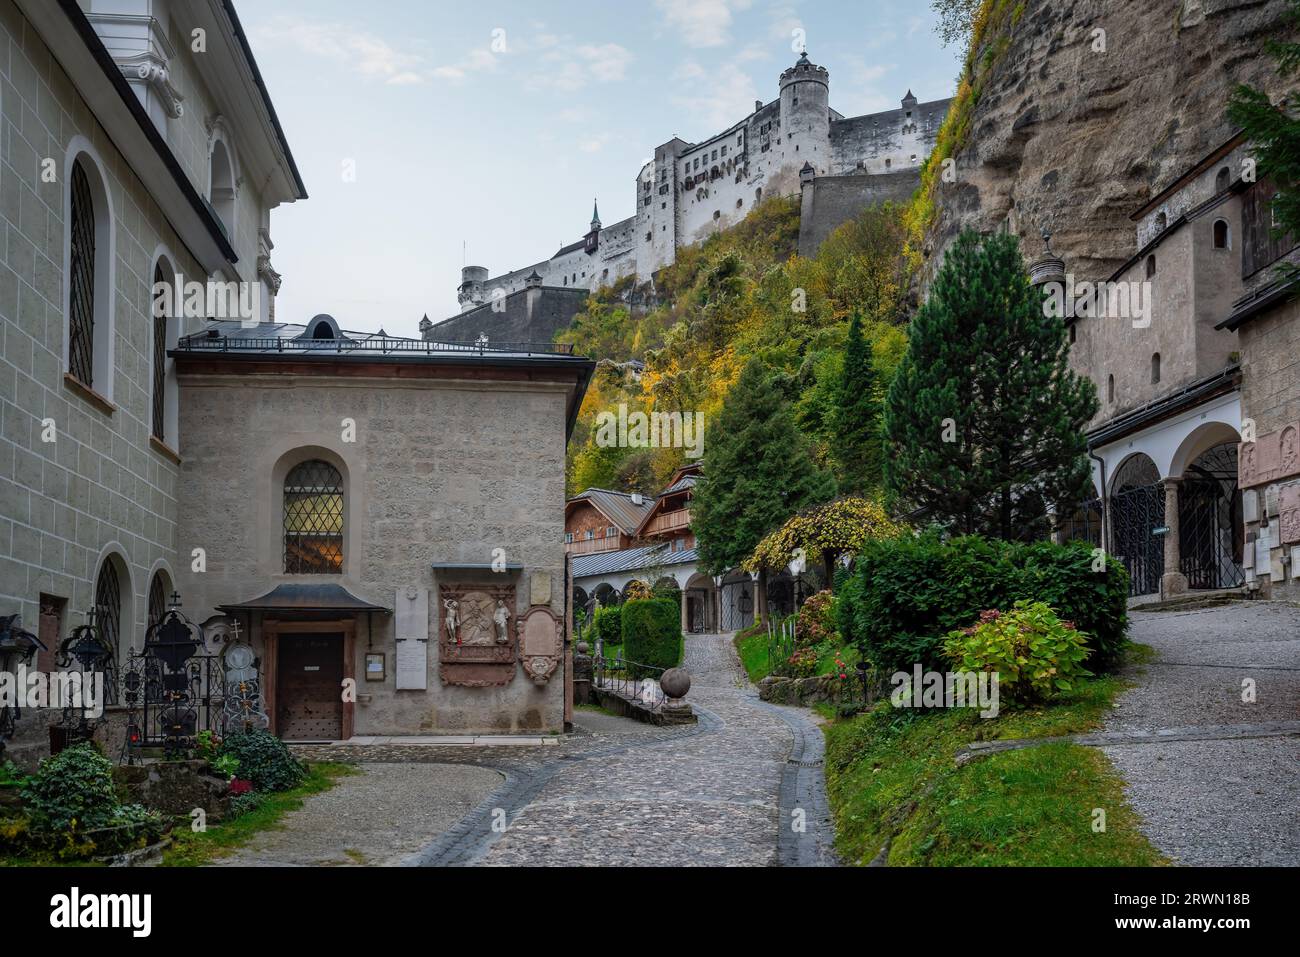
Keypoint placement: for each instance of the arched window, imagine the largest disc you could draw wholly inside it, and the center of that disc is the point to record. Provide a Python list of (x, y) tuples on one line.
[(108, 605), (313, 519), (1151, 266), (1110, 388), (221, 191), (1162, 221), (88, 280), (1221, 238), (1155, 368), (157, 599), (1222, 180), (159, 378), (322, 331), (81, 311)]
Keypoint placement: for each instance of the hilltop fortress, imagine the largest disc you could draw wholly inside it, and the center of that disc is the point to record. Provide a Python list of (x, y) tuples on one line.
[(796, 143)]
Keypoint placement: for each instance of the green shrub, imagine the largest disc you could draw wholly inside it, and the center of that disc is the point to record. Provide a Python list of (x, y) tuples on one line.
[(1034, 654), (264, 760), (652, 633), (816, 620), (906, 594), (72, 791), (608, 624), (801, 664), (246, 803)]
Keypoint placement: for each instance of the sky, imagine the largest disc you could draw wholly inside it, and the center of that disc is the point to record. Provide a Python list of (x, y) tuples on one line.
[(431, 133)]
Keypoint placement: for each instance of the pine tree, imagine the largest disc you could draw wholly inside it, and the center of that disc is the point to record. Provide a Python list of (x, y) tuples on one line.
[(984, 423), (1274, 132), (757, 472), (856, 447)]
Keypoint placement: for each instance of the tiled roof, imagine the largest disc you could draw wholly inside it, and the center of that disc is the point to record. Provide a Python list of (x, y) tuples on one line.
[(629, 559), (618, 507)]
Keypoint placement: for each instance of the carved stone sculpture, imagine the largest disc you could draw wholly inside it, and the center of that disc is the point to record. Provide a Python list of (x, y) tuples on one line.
[(541, 643)]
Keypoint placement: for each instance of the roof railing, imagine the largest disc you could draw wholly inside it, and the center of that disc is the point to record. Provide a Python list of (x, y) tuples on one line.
[(203, 342)]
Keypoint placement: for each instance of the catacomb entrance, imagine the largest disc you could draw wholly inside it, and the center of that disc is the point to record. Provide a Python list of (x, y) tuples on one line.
[(1210, 525), (1137, 510), (309, 692)]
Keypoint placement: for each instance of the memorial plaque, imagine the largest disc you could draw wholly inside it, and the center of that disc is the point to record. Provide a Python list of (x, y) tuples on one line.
[(411, 617), (476, 640), (539, 591), (1270, 502), (1250, 506), (541, 643), (1289, 514)]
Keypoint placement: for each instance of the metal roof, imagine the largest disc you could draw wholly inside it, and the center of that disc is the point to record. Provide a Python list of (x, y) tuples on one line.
[(234, 337), (629, 559), (618, 507), (306, 598), (683, 483)]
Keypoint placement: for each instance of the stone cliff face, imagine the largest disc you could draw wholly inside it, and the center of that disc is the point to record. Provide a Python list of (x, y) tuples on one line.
[(1065, 137)]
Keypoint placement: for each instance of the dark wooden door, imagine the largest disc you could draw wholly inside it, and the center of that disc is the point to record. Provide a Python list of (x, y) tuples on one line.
[(310, 693)]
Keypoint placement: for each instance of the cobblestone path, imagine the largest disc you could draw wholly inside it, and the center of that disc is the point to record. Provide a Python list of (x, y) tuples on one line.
[(743, 787), (1227, 798)]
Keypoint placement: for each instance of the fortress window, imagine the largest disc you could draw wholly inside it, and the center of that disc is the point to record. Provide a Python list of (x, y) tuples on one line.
[(648, 236), (887, 163), (724, 151), (1110, 388), (1155, 368), (1162, 222), (1221, 234), (1074, 333), (740, 203), (715, 154), (717, 215), (1151, 266), (758, 195)]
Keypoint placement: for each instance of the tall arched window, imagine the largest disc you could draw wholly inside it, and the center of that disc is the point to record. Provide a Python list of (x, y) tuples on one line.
[(108, 605), (1151, 266), (159, 378), (157, 599), (1222, 180), (313, 519), (1110, 388), (1155, 368), (81, 270)]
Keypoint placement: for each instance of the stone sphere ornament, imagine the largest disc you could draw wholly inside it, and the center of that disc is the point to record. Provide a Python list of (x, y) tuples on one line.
[(582, 647), (675, 683)]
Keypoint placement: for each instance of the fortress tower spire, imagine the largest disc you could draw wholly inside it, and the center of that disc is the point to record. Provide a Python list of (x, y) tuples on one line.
[(595, 215)]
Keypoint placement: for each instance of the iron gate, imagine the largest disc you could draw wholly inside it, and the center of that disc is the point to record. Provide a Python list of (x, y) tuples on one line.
[(1085, 524), (1210, 521), (1136, 513), (736, 605)]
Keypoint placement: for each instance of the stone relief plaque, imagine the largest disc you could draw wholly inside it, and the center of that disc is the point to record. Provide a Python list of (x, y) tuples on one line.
[(1289, 514), (1272, 457), (411, 665), (476, 647), (541, 643)]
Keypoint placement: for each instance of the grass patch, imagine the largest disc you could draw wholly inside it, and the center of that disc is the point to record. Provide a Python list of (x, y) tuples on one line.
[(891, 777), (751, 645), (194, 850)]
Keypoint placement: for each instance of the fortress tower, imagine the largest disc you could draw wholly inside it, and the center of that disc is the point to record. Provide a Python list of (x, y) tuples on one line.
[(806, 116)]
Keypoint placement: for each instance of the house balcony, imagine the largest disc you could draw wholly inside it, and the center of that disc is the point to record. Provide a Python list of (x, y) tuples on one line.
[(590, 546), (668, 522)]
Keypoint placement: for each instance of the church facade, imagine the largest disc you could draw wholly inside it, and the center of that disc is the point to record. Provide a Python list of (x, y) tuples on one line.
[(377, 520)]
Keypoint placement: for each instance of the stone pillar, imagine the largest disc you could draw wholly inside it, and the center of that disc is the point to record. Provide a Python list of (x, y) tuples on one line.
[(1174, 582), (682, 595), (582, 672)]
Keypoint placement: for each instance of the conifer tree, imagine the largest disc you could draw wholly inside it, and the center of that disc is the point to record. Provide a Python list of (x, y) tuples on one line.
[(757, 472), (984, 423), (856, 446)]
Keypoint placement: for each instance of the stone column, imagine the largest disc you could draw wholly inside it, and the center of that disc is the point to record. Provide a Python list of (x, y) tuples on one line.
[(1174, 581), (682, 594)]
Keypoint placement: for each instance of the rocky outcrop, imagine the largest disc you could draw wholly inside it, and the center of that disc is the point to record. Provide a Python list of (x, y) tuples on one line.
[(1068, 137)]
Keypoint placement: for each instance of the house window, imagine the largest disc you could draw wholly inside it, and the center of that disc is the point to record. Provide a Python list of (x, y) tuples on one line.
[(611, 532), (1155, 368), (1151, 266), (159, 377), (568, 538), (1221, 238), (81, 304), (313, 519), (590, 534)]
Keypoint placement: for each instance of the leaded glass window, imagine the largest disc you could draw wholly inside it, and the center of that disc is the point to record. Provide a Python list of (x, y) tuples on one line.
[(159, 362), (313, 520), (81, 302)]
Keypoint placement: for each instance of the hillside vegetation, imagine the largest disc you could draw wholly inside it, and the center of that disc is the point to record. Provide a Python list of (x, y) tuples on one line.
[(743, 293)]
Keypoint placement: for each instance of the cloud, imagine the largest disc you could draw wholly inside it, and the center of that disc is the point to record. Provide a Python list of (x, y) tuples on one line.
[(863, 91), (719, 95), (371, 56), (476, 60), (570, 68), (702, 23)]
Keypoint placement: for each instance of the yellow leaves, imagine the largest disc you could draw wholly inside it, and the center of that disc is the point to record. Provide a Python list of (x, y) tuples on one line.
[(844, 525)]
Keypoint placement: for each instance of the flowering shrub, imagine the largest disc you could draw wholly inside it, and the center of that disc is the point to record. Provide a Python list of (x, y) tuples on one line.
[(816, 621), (1034, 654), (801, 664)]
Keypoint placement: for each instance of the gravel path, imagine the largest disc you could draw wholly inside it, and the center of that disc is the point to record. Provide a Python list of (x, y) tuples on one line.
[(1225, 802), (379, 816)]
